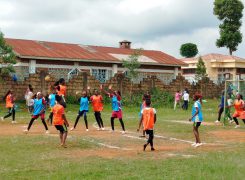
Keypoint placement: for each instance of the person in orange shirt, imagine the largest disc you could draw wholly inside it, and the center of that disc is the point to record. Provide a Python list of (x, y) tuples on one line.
[(97, 104), (9, 98), (61, 90), (148, 119), (239, 110), (59, 120)]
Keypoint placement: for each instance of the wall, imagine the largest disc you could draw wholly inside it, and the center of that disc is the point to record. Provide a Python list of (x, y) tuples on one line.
[(80, 82)]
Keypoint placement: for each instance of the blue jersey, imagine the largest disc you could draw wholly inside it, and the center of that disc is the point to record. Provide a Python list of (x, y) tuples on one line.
[(116, 105), (84, 104), (51, 100), (222, 105), (38, 106), (198, 117)]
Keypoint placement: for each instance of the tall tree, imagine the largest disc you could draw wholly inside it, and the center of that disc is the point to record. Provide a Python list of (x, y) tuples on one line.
[(7, 58), (230, 13), (200, 70), (132, 64), (188, 50)]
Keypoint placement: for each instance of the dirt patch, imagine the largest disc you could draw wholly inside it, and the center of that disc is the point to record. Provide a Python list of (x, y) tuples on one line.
[(230, 135)]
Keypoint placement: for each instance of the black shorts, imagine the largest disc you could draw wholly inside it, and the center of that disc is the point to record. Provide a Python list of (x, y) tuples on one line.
[(61, 128), (149, 132), (197, 124), (81, 113)]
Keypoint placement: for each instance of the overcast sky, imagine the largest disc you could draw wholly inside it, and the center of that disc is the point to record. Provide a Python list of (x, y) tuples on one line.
[(156, 24)]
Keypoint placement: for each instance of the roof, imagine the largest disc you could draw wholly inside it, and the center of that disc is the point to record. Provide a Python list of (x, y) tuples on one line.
[(213, 56), (70, 52)]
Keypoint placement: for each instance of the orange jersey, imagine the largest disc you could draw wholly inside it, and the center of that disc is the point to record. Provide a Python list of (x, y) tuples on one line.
[(58, 111), (62, 91), (148, 118), (97, 103), (239, 105), (9, 101)]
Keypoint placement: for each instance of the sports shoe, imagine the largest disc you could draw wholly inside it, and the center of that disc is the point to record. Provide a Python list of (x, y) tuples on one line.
[(217, 121), (198, 144), (2, 119), (111, 131), (152, 149), (47, 132), (72, 128), (237, 126), (14, 122), (103, 129), (123, 132), (194, 144), (98, 129), (87, 130), (144, 147), (25, 131)]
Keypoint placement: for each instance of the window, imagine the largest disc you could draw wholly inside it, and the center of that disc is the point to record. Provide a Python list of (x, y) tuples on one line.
[(189, 71), (102, 74)]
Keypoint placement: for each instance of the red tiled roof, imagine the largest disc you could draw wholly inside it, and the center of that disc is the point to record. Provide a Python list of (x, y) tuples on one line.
[(213, 56), (53, 50)]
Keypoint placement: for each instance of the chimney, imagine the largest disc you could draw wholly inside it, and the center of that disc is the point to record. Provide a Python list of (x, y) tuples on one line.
[(125, 44)]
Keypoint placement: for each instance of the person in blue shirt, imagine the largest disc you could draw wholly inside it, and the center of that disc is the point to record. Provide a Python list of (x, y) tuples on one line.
[(197, 118), (84, 107), (39, 110), (221, 107), (52, 103)]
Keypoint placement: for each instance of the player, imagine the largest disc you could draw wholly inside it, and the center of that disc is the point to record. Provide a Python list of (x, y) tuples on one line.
[(39, 110), (116, 108), (197, 118), (60, 121), (28, 96), (177, 99), (61, 90), (9, 98), (221, 107), (239, 110), (97, 104), (84, 107), (148, 119), (51, 98)]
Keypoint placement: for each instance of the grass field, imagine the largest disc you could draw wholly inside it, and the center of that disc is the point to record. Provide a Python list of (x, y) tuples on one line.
[(104, 155)]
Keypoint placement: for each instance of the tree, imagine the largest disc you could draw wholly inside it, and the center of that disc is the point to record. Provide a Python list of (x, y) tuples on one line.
[(230, 13), (188, 50), (132, 64), (200, 70), (7, 58)]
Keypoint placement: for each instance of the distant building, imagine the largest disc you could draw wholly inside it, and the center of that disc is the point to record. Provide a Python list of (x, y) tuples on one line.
[(219, 67), (65, 60)]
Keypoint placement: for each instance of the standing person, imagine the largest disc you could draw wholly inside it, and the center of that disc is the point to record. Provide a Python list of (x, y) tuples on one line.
[(9, 98), (177, 99), (197, 118), (239, 110), (51, 98), (143, 106), (221, 107), (185, 97), (116, 108), (39, 110), (61, 90), (83, 110), (227, 110), (148, 119), (60, 121), (28, 97), (97, 104)]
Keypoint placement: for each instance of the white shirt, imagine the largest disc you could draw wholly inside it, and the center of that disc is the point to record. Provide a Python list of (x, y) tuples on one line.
[(186, 97), (29, 100)]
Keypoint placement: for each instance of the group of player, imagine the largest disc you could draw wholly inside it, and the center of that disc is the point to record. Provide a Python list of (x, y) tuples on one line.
[(37, 106), (235, 101)]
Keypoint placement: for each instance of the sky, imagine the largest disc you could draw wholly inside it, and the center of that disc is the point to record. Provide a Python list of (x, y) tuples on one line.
[(156, 24)]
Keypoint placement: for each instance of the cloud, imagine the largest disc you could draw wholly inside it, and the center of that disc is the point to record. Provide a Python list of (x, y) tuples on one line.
[(156, 24)]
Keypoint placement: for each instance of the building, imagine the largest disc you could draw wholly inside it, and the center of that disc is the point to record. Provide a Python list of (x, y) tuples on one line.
[(219, 67), (65, 60)]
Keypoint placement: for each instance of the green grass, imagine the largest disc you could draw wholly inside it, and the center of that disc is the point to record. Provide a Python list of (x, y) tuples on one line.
[(39, 157)]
